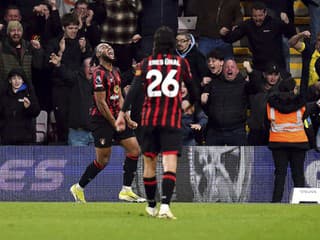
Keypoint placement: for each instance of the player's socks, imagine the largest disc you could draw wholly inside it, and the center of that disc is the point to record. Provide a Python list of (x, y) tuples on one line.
[(168, 184), (150, 186), (91, 172), (129, 169)]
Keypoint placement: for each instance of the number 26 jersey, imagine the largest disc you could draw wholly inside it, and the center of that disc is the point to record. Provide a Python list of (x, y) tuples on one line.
[(161, 78)]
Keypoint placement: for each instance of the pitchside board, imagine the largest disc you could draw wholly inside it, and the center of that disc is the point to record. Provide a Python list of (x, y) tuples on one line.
[(205, 174)]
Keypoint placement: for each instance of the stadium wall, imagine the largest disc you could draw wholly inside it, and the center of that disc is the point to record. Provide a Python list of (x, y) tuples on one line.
[(205, 174)]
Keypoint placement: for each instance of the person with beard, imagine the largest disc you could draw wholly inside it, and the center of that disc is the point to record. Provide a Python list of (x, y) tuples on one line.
[(18, 109), (286, 111), (186, 48), (225, 103), (73, 49), (13, 13), (15, 52), (108, 101), (264, 35), (161, 75)]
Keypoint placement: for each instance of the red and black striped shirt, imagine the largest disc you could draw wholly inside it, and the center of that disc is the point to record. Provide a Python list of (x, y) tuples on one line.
[(108, 81), (161, 77)]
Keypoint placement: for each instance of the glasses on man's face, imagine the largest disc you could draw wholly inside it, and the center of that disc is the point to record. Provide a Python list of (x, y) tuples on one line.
[(182, 40)]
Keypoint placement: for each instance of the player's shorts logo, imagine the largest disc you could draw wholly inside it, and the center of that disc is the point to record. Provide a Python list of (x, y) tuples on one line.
[(102, 141)]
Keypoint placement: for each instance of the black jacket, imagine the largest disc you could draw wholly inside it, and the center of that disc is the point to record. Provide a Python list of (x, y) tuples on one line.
[(18, 123), (29, 59), (258, 100), (227, 104), (46, 29), (265, 42), (80, 97)]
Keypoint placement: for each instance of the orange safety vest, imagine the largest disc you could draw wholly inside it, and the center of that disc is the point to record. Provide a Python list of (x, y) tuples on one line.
[(286, 127)]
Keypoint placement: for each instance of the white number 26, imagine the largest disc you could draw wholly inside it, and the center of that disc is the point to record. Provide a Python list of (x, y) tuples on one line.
[(165, 83)]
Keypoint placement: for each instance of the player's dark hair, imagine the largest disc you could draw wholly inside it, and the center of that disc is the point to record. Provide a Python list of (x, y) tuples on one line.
[(164, 41)]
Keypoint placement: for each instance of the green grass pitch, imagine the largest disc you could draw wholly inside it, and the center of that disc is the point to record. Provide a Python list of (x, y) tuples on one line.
[(116, 221)]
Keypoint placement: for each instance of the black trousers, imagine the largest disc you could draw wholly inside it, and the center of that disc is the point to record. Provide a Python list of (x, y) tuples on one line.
[(281, 158)]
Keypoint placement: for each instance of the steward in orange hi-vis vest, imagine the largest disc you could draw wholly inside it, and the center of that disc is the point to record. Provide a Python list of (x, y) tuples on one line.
[(288, 141), (286, 127)]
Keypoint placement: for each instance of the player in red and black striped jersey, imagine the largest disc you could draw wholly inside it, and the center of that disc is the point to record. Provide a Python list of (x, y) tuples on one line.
[(107, 81), (160, 75), (108, 101)]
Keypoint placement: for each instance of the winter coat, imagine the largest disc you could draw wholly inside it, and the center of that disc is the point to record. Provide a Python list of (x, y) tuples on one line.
[(263, 38), (197, 62), (17, 125), (9, 59), (227, 103)]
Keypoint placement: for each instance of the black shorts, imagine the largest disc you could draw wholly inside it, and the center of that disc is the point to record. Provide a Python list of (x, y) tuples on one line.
[(105, 135), (161, 140)]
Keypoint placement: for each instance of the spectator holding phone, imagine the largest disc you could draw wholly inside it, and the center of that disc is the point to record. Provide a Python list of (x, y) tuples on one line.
[(18, 109)]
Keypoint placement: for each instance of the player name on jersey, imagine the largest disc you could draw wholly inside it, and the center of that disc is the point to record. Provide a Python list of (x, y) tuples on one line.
[(165, 61)]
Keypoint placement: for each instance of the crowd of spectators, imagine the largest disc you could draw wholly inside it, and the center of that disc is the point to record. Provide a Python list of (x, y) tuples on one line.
[(51, 53)]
